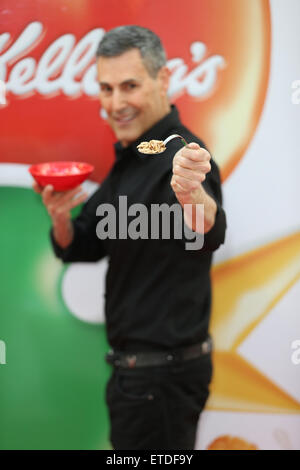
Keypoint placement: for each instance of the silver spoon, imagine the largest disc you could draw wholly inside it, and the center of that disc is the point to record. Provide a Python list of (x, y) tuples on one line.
[(174, 136)]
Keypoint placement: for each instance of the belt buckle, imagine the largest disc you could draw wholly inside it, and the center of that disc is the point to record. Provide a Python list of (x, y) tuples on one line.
[(131, 361)]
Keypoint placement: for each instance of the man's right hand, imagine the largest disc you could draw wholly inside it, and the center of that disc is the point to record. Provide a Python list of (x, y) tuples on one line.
[(59, 205)]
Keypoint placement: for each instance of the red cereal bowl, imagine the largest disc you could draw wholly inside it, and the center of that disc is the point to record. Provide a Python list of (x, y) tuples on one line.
[(61, 175)]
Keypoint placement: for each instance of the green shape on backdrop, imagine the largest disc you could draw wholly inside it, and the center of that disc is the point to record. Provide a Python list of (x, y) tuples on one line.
[(52, 386)]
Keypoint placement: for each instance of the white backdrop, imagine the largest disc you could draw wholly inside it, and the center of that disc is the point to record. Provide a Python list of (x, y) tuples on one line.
[(262, 200)]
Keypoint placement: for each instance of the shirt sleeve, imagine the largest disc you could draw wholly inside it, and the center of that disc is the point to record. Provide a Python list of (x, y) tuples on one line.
[(86, 246), (212, 185)]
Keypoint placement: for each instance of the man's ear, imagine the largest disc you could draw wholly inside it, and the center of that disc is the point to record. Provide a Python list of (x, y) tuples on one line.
[(164, 75)]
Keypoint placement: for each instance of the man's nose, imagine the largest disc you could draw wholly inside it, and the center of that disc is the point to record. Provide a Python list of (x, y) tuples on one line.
[(117, 101)]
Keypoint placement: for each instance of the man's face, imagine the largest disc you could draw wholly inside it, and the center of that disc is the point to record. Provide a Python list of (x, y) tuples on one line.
[(133, 100)]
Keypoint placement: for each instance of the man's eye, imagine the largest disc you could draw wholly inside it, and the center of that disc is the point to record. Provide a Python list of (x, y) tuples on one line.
[(130, 86), (105, 88)]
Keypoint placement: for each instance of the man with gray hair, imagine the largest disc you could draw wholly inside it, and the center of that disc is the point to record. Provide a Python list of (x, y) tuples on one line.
[(158, 294)]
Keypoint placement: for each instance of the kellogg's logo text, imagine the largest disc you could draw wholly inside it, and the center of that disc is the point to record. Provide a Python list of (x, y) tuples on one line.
[(69, 67)]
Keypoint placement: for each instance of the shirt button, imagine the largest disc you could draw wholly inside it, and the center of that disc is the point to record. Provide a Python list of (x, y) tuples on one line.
[(169, 357), (150, 397)]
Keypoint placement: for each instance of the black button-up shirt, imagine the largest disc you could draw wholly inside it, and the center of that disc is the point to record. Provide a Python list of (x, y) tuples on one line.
[(158, 293)]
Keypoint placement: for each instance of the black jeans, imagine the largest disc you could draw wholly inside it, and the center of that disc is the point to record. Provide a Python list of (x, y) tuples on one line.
[(158, 407)]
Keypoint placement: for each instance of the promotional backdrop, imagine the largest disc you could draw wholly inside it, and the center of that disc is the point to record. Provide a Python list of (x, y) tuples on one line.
[(235, 74)]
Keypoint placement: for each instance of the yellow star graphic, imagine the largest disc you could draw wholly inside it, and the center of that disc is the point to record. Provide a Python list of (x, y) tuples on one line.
[(245, 291)]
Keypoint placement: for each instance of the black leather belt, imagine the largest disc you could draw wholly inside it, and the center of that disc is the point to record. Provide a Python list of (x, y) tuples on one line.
[(146, 359)]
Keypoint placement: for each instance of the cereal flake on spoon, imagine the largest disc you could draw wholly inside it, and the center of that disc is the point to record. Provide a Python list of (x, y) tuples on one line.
[(152, 147), (158, 146)]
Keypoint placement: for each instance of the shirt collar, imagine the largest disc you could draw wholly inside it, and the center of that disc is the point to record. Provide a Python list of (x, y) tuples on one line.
[(159, 131)]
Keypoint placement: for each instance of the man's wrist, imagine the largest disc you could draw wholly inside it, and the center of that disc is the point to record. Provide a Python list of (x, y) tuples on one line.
[(61, 219), (201, 205), (63, 231)]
